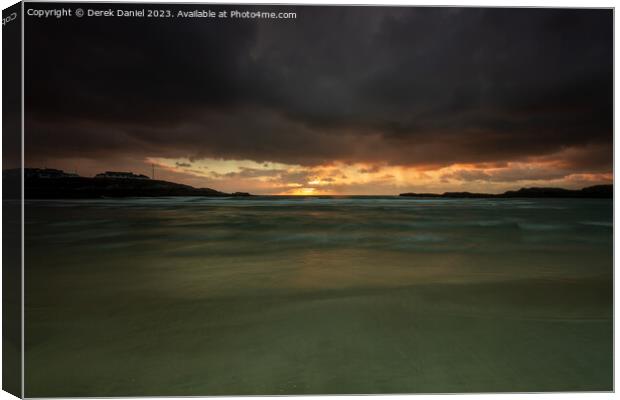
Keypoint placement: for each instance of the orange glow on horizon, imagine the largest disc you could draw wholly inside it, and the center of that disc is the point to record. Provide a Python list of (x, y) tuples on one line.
[(339, 178)]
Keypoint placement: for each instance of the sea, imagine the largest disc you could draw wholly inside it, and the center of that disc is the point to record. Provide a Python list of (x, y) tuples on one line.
[(317, 295)]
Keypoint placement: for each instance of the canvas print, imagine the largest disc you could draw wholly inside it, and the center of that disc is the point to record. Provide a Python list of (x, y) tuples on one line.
[(297, 199)]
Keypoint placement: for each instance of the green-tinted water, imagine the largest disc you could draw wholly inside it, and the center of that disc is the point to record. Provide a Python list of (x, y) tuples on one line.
[(195, 296)]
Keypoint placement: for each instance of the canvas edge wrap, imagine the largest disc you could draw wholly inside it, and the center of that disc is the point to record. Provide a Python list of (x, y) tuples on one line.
[(12, 201)]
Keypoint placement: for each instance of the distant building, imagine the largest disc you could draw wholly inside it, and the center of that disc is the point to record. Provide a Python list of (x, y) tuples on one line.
[(47, 173), (121, 175)]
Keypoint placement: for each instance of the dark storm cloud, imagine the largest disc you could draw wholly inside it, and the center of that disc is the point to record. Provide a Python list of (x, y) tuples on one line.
[(508, 175), (371, 170), (410, 86)]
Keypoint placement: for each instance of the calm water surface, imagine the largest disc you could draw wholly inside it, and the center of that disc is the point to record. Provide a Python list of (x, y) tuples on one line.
[(280, 295)]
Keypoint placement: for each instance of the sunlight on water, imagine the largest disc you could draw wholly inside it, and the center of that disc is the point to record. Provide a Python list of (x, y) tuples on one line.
[(283, 295)]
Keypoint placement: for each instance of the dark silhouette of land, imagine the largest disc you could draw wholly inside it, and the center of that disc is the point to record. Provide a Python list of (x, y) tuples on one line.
[(56, 184), (591, 192)]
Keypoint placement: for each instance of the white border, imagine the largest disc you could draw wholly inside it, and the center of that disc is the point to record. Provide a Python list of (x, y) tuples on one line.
[(478, 3)]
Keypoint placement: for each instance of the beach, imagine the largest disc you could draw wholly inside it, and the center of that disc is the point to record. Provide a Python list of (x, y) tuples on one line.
[(317, 295)]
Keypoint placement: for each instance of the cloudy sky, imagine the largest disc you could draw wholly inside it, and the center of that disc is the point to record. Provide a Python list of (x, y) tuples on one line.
[(340, 100)]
